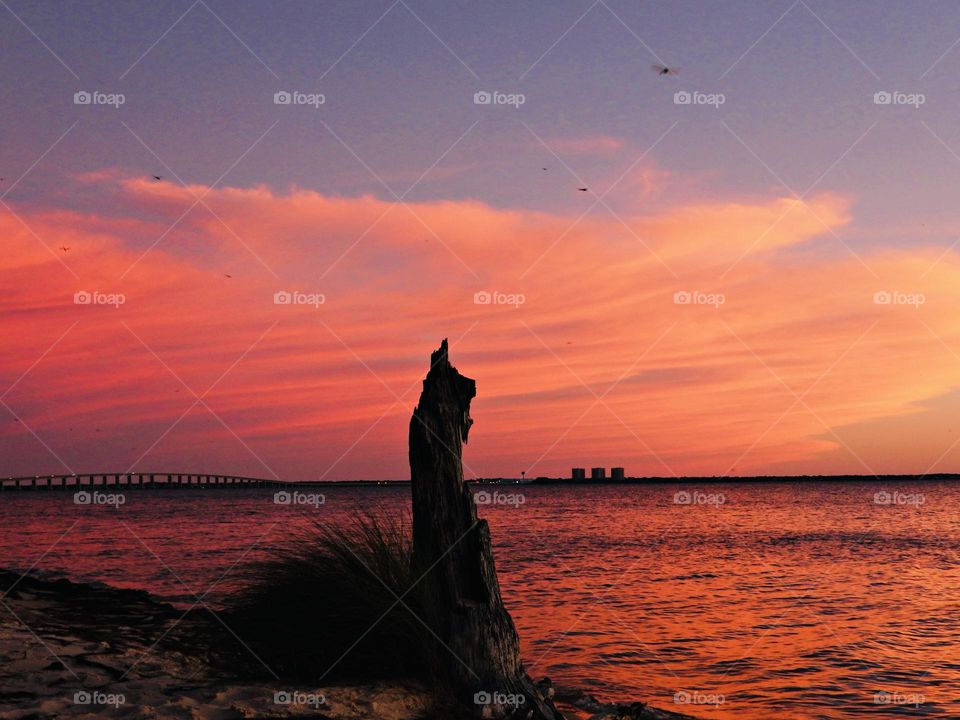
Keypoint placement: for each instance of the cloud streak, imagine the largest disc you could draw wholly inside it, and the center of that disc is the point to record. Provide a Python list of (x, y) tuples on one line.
[(700, 387)]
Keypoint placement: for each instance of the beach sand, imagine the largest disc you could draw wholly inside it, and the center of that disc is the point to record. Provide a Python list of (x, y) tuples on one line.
[(87, 651)]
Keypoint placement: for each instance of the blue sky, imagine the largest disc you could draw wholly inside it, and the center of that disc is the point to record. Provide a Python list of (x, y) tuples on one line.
[(799, 94)]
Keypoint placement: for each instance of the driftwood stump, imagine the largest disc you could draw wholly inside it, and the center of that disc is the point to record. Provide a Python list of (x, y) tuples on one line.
[(452, 552)]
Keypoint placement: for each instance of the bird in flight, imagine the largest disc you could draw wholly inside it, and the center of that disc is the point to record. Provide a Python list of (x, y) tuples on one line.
[(664, 70), (544, 169), (227, 275), (582, 189), (157, 178), (64, 248)]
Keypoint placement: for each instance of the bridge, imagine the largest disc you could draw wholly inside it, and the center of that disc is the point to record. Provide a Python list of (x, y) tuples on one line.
[(144, 481)]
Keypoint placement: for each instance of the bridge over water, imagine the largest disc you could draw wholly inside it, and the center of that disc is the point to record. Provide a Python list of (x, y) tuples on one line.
[(145, 481)]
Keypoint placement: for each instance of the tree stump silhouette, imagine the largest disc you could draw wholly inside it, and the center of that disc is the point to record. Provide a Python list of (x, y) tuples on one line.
[(452, 552)]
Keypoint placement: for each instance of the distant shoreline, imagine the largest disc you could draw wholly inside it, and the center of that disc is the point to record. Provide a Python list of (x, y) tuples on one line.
[(256, 484), (739, 479)]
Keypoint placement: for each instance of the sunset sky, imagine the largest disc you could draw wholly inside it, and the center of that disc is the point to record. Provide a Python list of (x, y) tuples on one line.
[(811, 224)]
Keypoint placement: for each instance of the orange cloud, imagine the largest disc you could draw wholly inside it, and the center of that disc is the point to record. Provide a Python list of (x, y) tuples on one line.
[(694, 341)]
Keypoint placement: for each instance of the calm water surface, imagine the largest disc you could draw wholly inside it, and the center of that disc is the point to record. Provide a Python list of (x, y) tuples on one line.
[(805, 600)]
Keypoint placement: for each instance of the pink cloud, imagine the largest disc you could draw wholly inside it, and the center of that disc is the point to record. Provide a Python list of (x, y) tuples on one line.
[(326, 391), (591, 145)]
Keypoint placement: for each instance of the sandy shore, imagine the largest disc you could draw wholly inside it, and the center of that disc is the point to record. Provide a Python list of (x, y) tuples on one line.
[(84, 651)]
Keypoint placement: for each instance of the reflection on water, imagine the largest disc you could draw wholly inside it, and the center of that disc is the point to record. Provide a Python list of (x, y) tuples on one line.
[(806, 600)]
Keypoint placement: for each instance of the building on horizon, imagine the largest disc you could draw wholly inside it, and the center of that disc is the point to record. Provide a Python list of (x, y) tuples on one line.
[(617, 473), (578, 474), (598, 473)]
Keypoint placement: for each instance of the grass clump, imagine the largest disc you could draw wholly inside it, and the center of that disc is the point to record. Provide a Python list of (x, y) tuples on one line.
[(323, 605)]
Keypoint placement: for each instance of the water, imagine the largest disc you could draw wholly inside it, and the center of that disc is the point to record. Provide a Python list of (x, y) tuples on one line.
[(804, 600)]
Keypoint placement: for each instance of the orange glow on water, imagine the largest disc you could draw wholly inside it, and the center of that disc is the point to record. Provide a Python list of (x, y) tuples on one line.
[(801, 600)]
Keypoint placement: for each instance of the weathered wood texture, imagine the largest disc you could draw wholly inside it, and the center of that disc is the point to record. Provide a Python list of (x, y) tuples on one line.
[(452, 550)]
